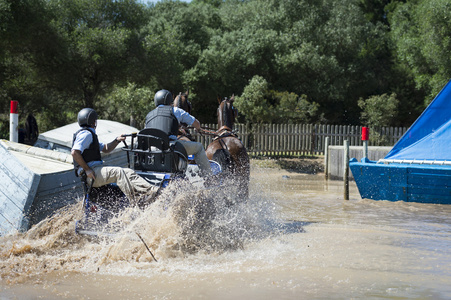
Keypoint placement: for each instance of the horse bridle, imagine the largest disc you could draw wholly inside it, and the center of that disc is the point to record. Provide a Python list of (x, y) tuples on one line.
[(224, 112), (179, 103)]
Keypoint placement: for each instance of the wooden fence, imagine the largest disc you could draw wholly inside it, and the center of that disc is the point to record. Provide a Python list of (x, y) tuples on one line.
[(303, 139)]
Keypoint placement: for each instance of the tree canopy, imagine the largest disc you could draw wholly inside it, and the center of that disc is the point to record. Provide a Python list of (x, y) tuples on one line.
[(295, 61)]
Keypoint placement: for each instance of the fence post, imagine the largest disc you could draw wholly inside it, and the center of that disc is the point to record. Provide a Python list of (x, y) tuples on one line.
[(346, 170), (326, 158), (256, 138), (305, 141)]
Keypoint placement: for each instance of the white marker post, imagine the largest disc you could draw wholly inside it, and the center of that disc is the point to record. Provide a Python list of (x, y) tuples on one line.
[(14, 122), (365, 138)]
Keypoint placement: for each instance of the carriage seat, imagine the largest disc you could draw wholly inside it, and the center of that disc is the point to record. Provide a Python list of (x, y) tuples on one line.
[(155, 152)]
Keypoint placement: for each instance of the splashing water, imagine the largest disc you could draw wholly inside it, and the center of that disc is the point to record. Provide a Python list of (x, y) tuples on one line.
[(183, 221)]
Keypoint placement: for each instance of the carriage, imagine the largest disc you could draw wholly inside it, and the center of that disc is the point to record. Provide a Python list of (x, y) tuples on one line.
[(161, 161), (156, 159)]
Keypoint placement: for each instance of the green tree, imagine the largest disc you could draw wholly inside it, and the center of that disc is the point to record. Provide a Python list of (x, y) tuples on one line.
[(97, 49), (334, 57), (292, 108), (25, 33), (253, 103), (100, 53), (67, 54), (246, 45), (379, 110), (421, 31), (375, 10), (326, 50), (215, 3), (261, 105), (174, 38), (128, 104)]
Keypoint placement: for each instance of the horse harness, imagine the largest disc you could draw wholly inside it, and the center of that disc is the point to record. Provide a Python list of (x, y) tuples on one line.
[(224, 132)]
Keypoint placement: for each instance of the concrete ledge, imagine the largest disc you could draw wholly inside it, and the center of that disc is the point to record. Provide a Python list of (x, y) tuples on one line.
[(336, 161), (35, 151)]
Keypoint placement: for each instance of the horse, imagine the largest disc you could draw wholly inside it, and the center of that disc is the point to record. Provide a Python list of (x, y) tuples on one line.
[(228, 150), (181, 101), (31, 130)]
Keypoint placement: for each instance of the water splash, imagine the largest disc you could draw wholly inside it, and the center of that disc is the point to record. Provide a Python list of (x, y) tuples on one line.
[(183, 221)]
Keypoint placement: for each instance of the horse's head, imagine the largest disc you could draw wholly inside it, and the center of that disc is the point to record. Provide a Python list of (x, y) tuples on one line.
[(181, 101), (227, 113)]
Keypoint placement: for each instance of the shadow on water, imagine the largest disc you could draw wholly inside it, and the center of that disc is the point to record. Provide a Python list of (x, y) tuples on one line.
[(291, 227), (272, 227)]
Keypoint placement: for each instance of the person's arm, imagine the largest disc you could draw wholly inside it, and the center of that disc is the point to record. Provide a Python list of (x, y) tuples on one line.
[(184, 117), (196, 125), (76, 155), (112, 145)]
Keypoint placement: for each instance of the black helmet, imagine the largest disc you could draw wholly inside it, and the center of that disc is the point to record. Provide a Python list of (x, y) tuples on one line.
[(87, 117), (163, 97)]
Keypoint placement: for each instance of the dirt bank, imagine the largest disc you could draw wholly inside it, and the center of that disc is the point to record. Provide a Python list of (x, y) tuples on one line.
[(307, 165)]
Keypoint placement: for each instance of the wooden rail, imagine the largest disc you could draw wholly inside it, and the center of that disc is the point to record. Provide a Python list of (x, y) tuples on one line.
[(303, 139)]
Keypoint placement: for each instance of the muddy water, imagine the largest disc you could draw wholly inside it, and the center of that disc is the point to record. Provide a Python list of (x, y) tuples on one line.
[(295, 239)]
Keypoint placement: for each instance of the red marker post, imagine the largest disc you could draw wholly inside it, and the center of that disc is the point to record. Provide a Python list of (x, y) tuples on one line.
[(365, 137), (14, 122)]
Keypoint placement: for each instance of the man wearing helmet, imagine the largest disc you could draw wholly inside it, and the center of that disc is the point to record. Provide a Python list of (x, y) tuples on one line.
[(167, 118), (86, 150)]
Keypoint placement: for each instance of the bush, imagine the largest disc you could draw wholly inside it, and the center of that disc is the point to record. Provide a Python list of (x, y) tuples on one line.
[(379, 110)]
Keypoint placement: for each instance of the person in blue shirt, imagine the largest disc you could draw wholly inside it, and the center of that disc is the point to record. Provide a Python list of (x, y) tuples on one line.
[(167, 118), (85, 152)]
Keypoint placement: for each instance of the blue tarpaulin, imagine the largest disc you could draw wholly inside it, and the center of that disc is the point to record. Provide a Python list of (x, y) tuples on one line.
[(429, 138)]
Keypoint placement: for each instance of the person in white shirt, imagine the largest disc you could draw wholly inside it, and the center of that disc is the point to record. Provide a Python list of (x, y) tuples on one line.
[(86, 150), (167, 118)]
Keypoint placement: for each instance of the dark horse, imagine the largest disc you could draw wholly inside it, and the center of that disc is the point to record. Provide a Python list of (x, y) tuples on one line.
[(181, 101), (228, 150), (31, 130)]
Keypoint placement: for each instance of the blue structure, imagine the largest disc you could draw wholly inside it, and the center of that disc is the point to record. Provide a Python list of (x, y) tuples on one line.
[(418, 168)]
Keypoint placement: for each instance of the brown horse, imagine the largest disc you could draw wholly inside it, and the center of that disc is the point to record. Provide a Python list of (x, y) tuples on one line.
[(228, 150), (181, 101)]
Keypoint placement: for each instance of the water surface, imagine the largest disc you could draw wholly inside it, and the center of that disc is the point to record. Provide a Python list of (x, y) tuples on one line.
[(296, 238)]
